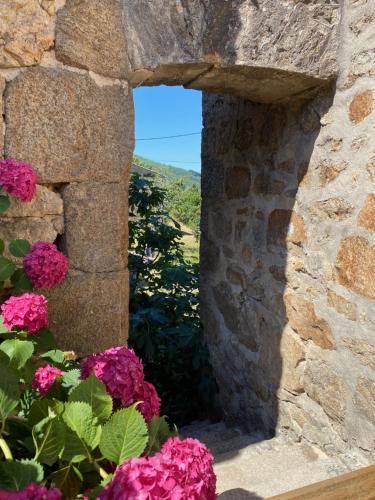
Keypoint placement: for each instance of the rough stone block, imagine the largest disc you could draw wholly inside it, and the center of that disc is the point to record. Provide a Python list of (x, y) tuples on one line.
[(361, 106), (90, 35), (26, 31), (96, 226), (364, 398), (237, 182), (45, 203), (32, 229), (292, 351), (2, 89), (68, 127), (355, 266), (285, 226), (89, 311), (333, 208), (303, 319), (342, 305), (327, 388), (366, 216)]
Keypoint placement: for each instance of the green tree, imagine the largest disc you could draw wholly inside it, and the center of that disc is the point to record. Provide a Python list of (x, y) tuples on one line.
[(165, 328)]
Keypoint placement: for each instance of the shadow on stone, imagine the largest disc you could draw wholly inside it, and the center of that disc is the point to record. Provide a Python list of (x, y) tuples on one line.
[(239, 494)]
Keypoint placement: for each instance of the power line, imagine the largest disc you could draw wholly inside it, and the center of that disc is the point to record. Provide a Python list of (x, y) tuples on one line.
[(179, 161), (167, 137)]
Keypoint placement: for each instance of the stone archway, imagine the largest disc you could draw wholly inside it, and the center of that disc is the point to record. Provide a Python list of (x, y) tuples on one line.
[(287, 246)]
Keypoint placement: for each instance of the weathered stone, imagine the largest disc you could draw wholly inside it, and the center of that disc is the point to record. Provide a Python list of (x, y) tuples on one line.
[(362, 64), (44, 203), (361, 106), (278, 273), (292, 351), (304, 321), (282, 62), (240, 322), (370, 167), (247, 253), (342, 305), (236, 275), (329, 172), (26, 31), (334, 208), (96, 226), (362, 350), (355, 266), (2, 88), (237, 182), (92, 139), (86, 329), (285, 226), (32, 229), (327, 388), (364, 398), (90, 35), (366, 216)]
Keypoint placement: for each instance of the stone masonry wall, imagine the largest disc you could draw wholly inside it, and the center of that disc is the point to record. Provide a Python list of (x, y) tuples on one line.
[(76, 128), (288, 253), (288, 186)]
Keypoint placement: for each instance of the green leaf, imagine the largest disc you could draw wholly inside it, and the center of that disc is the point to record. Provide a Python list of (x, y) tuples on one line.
[(55, 356), (67, 480), (93, 392), (7, 268), (16, 475), (19, 248), (18, 351), (9, 391), (44, 341), (20, 280), (159, 432), (2, 247), (39, 410), (75, 449), (124, 436), (48, 436), (81, 420), (3, 329), (71, 378), (4, 203)]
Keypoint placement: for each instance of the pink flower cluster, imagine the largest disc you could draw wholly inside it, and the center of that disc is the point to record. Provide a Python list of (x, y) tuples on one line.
[(44, 378), (44, 265), (121, 371), (32, 492), (182, 470), (18, 179), (27, 311)]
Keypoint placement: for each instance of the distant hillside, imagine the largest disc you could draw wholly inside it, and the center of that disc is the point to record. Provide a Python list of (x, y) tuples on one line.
[(189, 177)]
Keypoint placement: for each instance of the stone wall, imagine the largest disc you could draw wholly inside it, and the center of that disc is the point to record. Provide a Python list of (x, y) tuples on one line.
[(76, 127), (288, 255), (288, 186)]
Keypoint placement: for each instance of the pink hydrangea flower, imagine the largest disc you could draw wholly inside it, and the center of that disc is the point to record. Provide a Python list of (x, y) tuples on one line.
[(32, 492), (18, 179), (44, 265), (182, 470), (44, 378), (143, 479), (120, 370), (150, 406), (27, 311), (191, 464)]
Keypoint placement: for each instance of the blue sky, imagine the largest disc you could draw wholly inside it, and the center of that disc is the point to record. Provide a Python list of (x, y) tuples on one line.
[(164, 111)]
